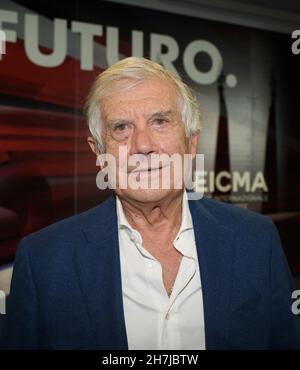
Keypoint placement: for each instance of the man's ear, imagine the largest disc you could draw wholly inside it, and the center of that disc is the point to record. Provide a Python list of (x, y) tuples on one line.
[(93, 145), (193, 143)]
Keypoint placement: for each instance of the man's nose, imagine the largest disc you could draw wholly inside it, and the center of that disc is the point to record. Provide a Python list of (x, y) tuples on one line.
[(143, 142)]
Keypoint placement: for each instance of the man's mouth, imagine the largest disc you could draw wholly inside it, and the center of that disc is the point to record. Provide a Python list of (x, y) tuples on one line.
[(147, 169)]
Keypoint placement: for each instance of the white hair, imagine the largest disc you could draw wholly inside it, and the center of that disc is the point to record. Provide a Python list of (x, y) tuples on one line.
[(132, 71)]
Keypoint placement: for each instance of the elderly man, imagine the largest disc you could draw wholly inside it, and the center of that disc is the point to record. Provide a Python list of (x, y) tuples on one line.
[(149, 268)]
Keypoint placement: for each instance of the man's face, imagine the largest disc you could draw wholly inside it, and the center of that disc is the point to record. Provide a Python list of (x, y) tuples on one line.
[(145, 120)]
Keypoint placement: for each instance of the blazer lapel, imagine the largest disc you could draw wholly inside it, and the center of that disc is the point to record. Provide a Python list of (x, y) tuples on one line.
[(98, 268), (215, 246)]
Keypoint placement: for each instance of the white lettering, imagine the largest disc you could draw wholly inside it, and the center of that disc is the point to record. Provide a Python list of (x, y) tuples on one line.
[(259, 182), (112, 45), (296, 304), (7, 16), (87, 32), (164, 49), (296, 44), (156, 43), (2, 303), (219, 185), (137, 43), (59, 52), (202, 46), (241, 180)]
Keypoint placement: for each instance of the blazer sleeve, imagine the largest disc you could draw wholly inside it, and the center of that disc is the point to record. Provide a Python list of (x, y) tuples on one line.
[(285, 326), (20, 329)]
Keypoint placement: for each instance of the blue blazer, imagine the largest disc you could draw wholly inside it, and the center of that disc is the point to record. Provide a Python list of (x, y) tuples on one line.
[(66, 289)]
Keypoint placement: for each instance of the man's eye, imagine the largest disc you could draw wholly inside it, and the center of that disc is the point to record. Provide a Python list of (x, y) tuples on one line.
[(160, 121), (121, 131), (120, 127)]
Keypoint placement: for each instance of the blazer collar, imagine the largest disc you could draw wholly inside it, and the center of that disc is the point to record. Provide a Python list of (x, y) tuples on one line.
[(98, 269), (215, 247)]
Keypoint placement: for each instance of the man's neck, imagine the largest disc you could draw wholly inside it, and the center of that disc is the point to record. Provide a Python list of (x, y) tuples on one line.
[(164, 215)]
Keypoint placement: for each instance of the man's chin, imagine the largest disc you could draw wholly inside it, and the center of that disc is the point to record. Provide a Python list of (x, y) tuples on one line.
[(147, 195)]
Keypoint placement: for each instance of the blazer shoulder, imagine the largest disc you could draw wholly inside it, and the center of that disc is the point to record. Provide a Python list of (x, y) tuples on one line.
[(236, 218), (66, 234)]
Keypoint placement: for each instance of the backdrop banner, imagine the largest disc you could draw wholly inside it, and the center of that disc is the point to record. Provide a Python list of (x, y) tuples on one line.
[(246, 81)]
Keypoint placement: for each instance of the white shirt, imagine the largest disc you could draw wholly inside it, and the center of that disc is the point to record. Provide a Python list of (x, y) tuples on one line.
[(155, 321)]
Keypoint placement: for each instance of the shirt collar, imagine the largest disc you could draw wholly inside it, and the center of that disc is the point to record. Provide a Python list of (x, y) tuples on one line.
[(122, 220), (186, 219)]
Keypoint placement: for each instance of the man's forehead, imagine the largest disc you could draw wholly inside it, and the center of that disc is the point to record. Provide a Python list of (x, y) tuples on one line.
[(116, 109), (156, 89)]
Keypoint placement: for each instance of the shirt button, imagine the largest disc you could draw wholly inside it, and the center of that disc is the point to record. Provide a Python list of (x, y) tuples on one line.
[(167, 316), (150, 264)]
